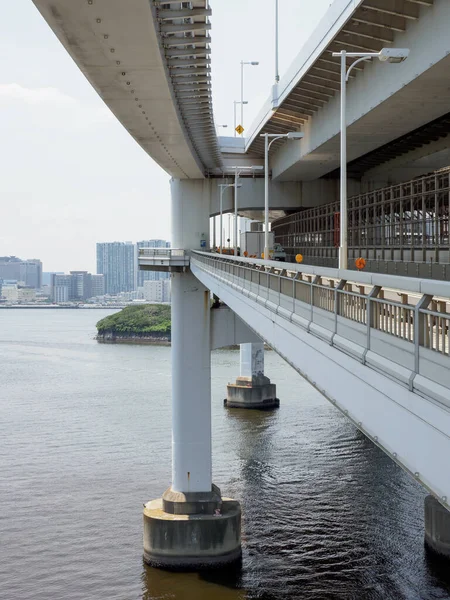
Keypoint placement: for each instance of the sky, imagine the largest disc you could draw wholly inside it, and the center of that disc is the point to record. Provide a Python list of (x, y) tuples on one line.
[(71, 175)]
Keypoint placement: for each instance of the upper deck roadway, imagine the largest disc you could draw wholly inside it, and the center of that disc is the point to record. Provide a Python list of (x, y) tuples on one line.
[(150, 62)]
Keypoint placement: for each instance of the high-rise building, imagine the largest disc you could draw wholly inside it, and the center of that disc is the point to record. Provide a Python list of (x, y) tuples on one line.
[(81, 285), (76, 286), (61, 288), (117, 262), (157, 291), (98, 285), (28, 272), (151, 275), (47, 277)]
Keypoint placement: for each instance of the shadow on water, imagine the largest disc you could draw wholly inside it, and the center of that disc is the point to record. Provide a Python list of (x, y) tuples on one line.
[(217, 584), (438, 570)]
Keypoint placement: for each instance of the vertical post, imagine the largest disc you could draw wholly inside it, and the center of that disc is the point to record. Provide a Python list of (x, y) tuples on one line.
[(343, 250), (242, 94), (236, 175), (191, 386), (235, 124), (172, 538), (214, 233), (266, 196), (277, 74), (221, 219)]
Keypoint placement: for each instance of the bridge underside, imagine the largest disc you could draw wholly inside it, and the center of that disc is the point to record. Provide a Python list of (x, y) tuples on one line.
[(150, 64)]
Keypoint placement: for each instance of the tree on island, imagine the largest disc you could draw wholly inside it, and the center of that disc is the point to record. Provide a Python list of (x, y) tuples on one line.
[(143, 320)]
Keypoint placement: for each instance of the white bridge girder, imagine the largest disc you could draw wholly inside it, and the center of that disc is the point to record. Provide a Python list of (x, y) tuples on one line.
[(412, 430)]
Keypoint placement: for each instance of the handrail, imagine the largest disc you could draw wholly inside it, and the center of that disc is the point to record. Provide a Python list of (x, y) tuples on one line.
[(400, 283), (413, 323), (161, 252)]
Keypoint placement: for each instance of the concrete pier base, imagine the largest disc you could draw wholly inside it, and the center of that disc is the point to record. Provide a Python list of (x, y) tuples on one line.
[(437, 527), (252, 388), (256, 393), (192, 531)]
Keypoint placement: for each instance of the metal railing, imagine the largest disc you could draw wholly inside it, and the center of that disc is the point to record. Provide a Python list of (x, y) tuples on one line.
[(161, 253), (420, 318)]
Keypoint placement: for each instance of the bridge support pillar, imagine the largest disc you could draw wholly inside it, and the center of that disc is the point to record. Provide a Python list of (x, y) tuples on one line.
[(191, 526), (252, 388), (437, 527)]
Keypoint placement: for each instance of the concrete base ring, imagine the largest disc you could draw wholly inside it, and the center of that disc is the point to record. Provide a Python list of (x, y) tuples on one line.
[(184, 542)]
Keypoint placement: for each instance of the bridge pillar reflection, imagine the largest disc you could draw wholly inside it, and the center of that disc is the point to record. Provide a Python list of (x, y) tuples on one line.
[(191, 526), (252, 388)]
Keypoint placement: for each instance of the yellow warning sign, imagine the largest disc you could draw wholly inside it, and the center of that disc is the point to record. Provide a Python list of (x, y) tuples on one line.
[(239, 129)]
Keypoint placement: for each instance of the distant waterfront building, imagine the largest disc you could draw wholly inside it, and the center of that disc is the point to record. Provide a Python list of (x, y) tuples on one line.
[(157, 291), (61, 286), (26, 294), (98, 286), (27, 272), (47, 277), (118, 263), (81, 285), (143, 276), (77, 286), (10, 291), (13, 292)]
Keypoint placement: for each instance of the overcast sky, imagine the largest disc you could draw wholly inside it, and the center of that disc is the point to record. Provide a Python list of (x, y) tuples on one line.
[(70, 174)]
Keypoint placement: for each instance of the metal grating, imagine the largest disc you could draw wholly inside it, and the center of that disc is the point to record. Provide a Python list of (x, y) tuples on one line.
[(185, 42)]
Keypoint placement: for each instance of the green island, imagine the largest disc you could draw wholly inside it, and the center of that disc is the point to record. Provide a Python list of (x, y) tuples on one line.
[(141, 324)]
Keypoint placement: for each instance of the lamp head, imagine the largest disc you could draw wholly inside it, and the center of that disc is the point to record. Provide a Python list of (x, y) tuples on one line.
[(393, 55), (254, 63), (294, 135)]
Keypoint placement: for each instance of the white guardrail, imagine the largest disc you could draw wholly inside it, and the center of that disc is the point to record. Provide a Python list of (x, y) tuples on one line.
[(398, 325), (161, 253)]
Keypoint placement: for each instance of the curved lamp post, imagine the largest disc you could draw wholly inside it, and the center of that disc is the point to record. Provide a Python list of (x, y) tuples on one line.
[(392, 55), (292, 135), (252, 63)]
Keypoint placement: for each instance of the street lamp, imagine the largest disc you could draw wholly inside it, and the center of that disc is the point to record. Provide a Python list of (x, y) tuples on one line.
[(392, 55), (277, 73), (237, 171), (223, 187), (235, 103), (252, 63), (292, 135)]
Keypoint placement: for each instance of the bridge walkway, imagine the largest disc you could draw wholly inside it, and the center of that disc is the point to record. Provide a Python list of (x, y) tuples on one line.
[(377, 346)]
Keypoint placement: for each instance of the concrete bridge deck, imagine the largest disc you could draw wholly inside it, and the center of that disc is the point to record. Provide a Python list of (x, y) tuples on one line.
[(381, 361)]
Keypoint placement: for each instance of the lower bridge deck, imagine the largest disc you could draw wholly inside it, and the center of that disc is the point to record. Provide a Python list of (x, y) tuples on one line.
[(376, 346)]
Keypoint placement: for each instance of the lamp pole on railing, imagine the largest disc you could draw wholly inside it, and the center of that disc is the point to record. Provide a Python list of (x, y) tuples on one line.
[(236, 102), (222, 187), (392, 55), (277, 73), (237, 171), (252, 63), (293, 135)]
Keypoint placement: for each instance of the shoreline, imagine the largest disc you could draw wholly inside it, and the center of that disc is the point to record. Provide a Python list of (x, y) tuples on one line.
[(134, 341)]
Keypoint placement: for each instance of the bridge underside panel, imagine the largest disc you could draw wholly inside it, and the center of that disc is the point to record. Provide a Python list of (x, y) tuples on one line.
[(116, 45), (412, 430)]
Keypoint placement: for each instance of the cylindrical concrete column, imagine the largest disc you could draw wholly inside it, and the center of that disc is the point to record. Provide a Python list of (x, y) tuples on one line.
[(252, 388), (191, 361), (252, 360), (192, 525), (191, 385)]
